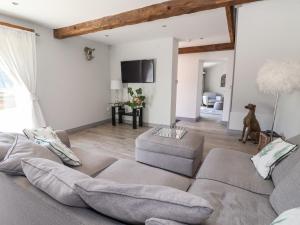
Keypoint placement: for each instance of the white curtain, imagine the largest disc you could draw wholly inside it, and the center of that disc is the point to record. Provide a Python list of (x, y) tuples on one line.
[(18, 61)]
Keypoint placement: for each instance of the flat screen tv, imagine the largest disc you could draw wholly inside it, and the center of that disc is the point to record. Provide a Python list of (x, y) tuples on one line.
[(138, 71)]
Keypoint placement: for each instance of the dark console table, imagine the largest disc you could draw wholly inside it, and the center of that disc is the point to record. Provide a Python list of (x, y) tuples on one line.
[(137, 113)]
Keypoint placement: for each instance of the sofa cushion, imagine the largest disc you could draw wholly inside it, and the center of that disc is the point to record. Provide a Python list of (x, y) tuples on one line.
[(6, 141), (83, 216), (64, 137), (92, 162), (284, 166), (134, 203), (271, 155), (55, 179), (131, 172), (286, 194), (156, 221), (232, 205), (19, 207), (24, 148), (234, 168)]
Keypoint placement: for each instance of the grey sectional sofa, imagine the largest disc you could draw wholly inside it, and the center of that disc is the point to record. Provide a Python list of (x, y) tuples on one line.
[(227, 179)]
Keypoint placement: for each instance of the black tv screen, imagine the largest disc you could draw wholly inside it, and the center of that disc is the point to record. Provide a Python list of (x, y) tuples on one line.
[(137, 71)]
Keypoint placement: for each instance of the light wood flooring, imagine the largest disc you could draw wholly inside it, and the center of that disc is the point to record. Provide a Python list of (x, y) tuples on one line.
[(118, 141)]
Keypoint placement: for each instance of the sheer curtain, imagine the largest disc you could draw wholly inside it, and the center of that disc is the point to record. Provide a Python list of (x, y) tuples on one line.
[(18, 62)]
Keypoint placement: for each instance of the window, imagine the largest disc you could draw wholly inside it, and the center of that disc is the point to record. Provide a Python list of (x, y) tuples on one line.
[(7, 97)]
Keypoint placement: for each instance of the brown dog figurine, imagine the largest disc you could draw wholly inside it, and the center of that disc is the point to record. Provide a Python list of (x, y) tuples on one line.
[(251, 126)]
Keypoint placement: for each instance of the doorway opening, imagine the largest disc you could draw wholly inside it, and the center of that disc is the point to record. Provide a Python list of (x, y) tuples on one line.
[(213, 86)]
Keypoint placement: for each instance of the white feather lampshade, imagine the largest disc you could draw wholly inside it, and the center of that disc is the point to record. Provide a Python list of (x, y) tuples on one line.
[(279, 77)]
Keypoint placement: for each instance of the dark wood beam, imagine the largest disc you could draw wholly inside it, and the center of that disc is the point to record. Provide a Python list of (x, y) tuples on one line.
[(230, 22), (15, 26), (149, 13), (206, 48)]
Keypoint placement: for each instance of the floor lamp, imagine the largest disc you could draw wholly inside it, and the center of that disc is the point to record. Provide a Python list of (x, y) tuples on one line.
[(116, 85), (277, 78)]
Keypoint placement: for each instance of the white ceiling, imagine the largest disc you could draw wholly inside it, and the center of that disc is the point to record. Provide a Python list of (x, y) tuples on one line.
[(210, 25)]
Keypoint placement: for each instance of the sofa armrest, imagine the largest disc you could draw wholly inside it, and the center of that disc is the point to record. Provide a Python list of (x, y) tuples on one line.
[(64, 137), (156, 221)]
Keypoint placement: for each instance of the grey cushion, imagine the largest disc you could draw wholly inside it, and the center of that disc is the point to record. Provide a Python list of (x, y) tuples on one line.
[(282, 169), (131, 172), (190, 146), (24, 148), (232, 205), (135, 204), (83, 216), (6, 141), (19, 207), (286, 194), (92, 162), (64, 137), (54, 179), (234, 168), (156, 221)]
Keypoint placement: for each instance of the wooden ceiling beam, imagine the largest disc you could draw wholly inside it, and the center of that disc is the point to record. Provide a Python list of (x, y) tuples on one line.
[(206, 48), (15, 26), (230, 22), (146, 14)]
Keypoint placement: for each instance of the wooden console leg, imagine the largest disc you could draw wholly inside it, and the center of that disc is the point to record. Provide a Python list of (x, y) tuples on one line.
[(134, 125)]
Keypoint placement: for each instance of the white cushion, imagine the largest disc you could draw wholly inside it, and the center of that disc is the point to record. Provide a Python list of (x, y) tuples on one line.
[(48, 138), (271, 154), (289, 217)]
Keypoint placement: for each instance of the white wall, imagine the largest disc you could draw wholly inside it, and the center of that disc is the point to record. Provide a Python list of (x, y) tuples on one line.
[(72, 91), (189, 82), (213, 78), (189, 89), (160, 103), (266, 30)]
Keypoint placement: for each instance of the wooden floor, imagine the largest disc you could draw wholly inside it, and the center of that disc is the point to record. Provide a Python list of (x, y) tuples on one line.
[(118, 141)]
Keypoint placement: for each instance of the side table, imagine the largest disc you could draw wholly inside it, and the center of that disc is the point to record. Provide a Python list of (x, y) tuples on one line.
[(137, 113)]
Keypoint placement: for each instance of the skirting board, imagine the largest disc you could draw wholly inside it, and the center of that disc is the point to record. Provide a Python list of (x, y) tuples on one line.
[(145, 124), (188, 119), (91, 125)]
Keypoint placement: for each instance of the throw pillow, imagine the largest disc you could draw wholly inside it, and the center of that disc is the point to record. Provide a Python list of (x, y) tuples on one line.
[(24, 148), (271, 154), (55, 179), (134, 204), (289, 217), (48, 138)]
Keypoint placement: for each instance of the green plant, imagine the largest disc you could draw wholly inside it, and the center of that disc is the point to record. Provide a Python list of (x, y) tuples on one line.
[(137, 98)]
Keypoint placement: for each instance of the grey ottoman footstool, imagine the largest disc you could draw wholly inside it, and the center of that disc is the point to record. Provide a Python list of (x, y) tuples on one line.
[(182, 156)]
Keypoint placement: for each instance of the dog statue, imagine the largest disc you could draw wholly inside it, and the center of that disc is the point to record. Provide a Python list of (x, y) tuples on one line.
[(251, 126)]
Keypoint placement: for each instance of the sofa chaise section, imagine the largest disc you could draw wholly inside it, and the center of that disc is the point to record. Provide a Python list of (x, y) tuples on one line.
[(239, 196)]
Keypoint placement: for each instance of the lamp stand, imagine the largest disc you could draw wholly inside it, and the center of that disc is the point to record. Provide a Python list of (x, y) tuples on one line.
[(274, 115)]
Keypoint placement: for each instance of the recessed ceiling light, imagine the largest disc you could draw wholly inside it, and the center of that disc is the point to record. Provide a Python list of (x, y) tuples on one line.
[(106, 35), (164, 26), (15, 3)]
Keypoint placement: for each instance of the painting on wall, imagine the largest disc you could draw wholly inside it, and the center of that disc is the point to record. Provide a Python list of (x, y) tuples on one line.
[(223, 80)]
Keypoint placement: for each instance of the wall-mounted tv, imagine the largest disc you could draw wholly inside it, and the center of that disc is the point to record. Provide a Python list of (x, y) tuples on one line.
[(138, 71)]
